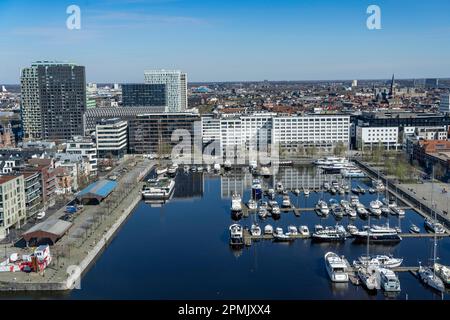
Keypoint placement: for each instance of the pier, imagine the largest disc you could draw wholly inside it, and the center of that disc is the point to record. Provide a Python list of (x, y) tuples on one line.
[(92, 231)]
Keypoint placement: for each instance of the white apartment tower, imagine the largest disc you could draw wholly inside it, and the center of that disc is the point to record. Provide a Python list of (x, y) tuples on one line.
[(176, 87), (111, 137)]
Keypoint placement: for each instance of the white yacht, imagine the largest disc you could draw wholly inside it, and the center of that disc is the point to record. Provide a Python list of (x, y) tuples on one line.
[(368, 274), (236, 234), (351, 212), (396, 210), (304, 231), (336, 267), (268, 229), (322, 207), (296, 191), (389, 281), (352, 173), (227, 165), (352, 229), (306, 192), (252, 205), (216, 167), (236, 203), (430, 278), (292, 231), (330, 161), (443, 272), (286, 202), (280, 236), (361, 210), (158, 189), (345, 204), (435, 227), (383, 261), (255, 230), (354, 201), (271, 193), (262, 212)]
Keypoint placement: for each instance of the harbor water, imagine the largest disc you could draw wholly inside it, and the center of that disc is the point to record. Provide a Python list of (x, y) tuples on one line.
[(181, 250)]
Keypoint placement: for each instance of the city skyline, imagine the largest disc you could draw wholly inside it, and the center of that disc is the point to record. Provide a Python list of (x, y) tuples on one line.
[(232, 41)]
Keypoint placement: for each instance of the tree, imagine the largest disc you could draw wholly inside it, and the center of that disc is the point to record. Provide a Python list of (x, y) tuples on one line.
[(339, 149)]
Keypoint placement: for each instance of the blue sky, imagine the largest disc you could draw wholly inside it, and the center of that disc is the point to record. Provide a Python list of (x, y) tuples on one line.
[(216, 40)]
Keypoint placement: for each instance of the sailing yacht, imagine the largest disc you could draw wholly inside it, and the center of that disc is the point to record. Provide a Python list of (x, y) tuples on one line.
[(367, 272), (336, 267), (433, 226), (252, 205)]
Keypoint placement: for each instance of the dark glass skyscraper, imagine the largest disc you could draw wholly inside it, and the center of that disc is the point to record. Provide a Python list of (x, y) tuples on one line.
[(53, 100), (143, 95)]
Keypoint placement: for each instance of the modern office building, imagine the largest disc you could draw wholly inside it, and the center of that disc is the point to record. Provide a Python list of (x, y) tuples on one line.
[(143, 95), (53, 100), (256, 131), (85, 147), (12, 203), (152, 133), (93, 116), (444, 106), (432, 83), (175, 83), (111, 136)]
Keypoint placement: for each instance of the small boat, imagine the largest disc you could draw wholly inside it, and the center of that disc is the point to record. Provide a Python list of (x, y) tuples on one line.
[(345, 204), (279, 187), (372, 190), (435, 227), (355, 190), (428, 277), (322, 208), (389, 281), (286, 202), (271, 194), (265, 172), (385, 210), (414, 229), (256, 189), (262, 213), (236, 203), (227, 165), (352, 229), (161, 170), (361, 190), (304, 231), (280, 236), (369, 276), (186, 169), (236, 234), (362, 211), (382, 261), (398, 211), (378, 234), (354, 201), (337, 212), (216, 167), (306, 192), (268, 229), (252, 205), (442, 272), (276, 211), (292, 231), (199, 169), (255, 230), (336, 267), (329, 234), (297, 192)]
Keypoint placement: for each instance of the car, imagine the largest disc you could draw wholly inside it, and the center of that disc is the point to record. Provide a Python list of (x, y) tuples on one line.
[(40, 215)]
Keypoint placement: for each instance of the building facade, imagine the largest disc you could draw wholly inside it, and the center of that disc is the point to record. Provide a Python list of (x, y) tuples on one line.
[(143, 95), (12, 203), (111, 137), (85, 147), (53, 100), (175, 83), (444, 106)]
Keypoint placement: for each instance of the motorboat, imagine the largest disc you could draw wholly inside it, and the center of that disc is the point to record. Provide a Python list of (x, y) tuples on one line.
[(351, 212), (385, 210), (194, 168), (352, 229), (442, 272), (276, 210), (304, 231), (431, 279), (374, 207), (271, 193), (273, 203), (279, 187), (253, 164), (280, 236), (268, 229), (355, 190), (255, 230), (336, 267), (378, 185), (389, 281), (362, 211), (361, 190), (306, 192), (354, 201), (172, 171), (396, 210), (161, 170), (330, 161), (414, 229), (329, 234), (262, 213), (256, 189), (265, 172), (338, 212), (236, 203), (296, 191), (236, 234), (345, 204), (186, 169), (352, 173), (158, 189), (252, 205), (286, 202), (378, 234), (369, 276), (383, 261), (322, 207), (292, 231), (435, 227), (216, 167), (326, 186), (372, 190)]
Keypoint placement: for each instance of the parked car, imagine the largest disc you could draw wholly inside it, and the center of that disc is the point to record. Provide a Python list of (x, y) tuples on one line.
[(40, 215)]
